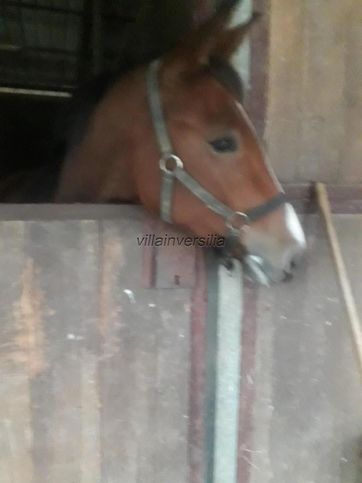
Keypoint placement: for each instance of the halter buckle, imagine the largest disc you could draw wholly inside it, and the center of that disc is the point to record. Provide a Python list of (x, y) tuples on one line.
[(175, 161), (237, 221)]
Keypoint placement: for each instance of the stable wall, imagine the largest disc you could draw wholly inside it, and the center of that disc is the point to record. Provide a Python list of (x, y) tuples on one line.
[(314, 108)]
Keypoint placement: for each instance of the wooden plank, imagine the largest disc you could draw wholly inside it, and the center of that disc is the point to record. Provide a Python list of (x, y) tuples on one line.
[(90, 451), (20, 358), (74, 211), (96, 370), (174, 263), (322, 135), (315, 94), (144, 427), (257, 95), (197, 389), (283, 124), (352, 165), (353, 319), (307, 415), (247, 387), (16, 436), (168, 256), (349, 230), (64, 255)]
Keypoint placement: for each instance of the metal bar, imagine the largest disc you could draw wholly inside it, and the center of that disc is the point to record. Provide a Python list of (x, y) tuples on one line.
[(63, 11), (228, 365), (41, 50), (49, 50), (223, 367), (34, 92), (44, 8), (10, 47)]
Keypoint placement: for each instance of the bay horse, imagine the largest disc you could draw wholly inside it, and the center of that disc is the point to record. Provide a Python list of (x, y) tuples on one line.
[(173, 135)]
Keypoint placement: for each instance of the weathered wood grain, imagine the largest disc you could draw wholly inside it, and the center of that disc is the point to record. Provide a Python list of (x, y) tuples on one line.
[(314, 120), (323, 108), (283, 123), (352, 164), (143, 368), (95, 370), (349, 230), (20, 358), (307, 420)]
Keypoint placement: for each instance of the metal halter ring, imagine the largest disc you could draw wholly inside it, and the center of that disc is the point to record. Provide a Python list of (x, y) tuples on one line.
[(237, 221), (176, 163)]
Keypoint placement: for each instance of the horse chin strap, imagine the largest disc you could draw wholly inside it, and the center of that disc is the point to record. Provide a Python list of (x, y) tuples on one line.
[(172, 168)]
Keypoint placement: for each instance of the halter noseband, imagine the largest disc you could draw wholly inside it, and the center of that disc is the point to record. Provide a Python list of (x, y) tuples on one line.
[(172, 168)]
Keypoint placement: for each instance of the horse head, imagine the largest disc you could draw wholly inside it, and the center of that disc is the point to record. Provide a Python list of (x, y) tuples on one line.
[(175, 136)]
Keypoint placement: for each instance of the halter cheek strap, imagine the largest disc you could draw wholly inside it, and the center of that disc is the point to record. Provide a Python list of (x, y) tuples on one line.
[(172, 169)]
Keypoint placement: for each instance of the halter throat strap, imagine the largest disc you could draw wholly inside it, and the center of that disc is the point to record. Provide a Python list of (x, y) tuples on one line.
[(172, 169)]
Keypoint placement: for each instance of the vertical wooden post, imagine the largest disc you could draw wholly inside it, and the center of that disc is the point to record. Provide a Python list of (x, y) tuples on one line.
[(90, 56), (256, 100), (83, 51), (97, 48)]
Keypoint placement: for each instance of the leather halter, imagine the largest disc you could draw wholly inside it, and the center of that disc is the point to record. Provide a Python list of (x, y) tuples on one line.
[(172, 169)]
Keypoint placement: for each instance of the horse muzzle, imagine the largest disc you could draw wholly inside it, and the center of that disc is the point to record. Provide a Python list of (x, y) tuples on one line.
[(272, 253)]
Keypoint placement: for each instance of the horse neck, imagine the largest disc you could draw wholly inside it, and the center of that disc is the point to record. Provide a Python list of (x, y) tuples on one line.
[(102, 167)]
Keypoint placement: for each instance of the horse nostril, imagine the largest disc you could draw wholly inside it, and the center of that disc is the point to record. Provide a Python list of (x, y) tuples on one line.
[(287, 275), (293, 263), (296, 260)]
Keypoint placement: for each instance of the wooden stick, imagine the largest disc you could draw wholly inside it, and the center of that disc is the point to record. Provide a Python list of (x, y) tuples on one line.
[(354, 320)]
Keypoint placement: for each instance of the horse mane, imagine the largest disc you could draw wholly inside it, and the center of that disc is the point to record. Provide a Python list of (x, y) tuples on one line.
[(227, 75)]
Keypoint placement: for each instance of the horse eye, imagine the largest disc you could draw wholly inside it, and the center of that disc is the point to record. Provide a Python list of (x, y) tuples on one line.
[(226, 144)]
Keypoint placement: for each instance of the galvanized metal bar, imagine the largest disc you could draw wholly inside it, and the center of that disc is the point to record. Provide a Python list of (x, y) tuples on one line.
[(228, 362), (34, 92), (223, 368)]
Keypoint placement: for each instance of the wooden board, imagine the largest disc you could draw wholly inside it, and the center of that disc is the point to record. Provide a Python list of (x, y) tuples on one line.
[(314, 113), (95, 368), (306, 418), (103, 355)]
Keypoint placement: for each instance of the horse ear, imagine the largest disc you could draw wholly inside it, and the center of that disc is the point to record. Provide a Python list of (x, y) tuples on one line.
[(202, 41), (231, 39), (212, 39), (196, 49)]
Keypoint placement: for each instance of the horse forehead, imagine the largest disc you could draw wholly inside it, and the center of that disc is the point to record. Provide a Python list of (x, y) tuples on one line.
[(211, 102)]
